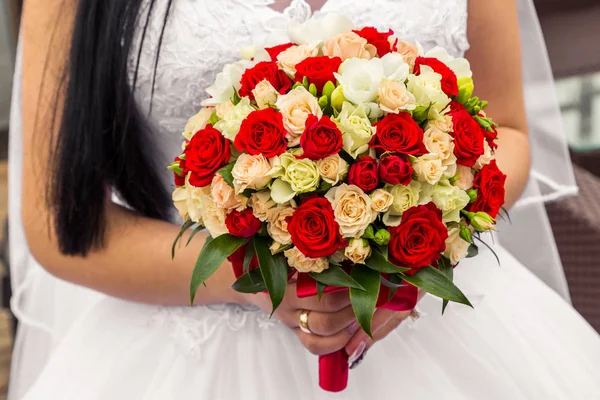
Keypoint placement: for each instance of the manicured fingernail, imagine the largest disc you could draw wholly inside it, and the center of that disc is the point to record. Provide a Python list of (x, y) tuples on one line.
[(359, 360), (353, 328), (360, 349)]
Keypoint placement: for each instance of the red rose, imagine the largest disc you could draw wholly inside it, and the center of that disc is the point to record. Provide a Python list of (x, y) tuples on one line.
[(276, 50), (399, 133), (468, 136), (314, 230), (378, 39), (449, 80), (180, 179), (420, 239), (205, 154), (242, 223), (262, 132), (490, 185), (364, 174), (264, 70), (318, 70), (395, 170), (321, 138)]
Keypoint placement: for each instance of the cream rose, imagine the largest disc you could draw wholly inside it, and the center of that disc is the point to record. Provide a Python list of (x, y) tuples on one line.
[(429, 168), (441, 144), (427, 89), (213, 216), (356, 128), (187, 201), (456, 248), (294, 176), (251, 172), (261, 202), (405, 197), (226, 83), (332, 169), (358, 251), (222, 108), (224, 196), (486, 157), (289, 58), (295, 107), (443, 123), (304, 264), (277, 224), (465, 178), (231, 121), (394, 97), (353, 209), (265, 94), (408, 51), (382, 200), (450, 199), (349, 45), (197, 122)]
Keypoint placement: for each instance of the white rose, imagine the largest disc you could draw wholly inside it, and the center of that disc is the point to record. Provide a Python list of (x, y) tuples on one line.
[(450, 199), (427, 89), (332, 169), (349, 45), (261, 202), (456, 248), (356, 128), (251, 172), (353, 209), (465, 178), (265, 94), (382, 200), (460, 66), (318, 29), (360, 79), (197, 122), (213, 216), (429, 168), (226, 83), (295, 107), (394, 97), (255, 53), (405, 197), (395, 67), (358, 251), (304, 264), (229, 126), (289, 58), (224, 196), (486, 157), (277, 224), (187, 200)]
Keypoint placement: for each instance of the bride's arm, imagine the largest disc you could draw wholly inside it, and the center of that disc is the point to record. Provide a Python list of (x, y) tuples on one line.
[(495, 57)]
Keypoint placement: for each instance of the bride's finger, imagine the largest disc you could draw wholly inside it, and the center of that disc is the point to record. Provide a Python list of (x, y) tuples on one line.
[(319, 345), (330, 302), (380, 321), (327, 324)]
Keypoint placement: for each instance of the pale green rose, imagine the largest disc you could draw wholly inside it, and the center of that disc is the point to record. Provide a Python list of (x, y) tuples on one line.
[(356, 128), (229, 126), (427, 89), (405, 197), (450, 199), (294, 176)]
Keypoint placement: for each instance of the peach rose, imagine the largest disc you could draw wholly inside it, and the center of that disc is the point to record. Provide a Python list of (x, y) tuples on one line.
[(224, 195), (265, 94), (466, 177), (332, 169), (349, 45), (261, 202), (456, 247), (304, 264), (295, 107), (289, 58), (251, 172), (382, 200), (408, 51), (353, 209), (358, 251), (429, 168), (277, 224), (394, 97)]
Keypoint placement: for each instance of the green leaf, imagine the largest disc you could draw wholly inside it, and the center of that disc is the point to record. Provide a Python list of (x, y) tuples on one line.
[(236, 98), (196, 230), (248, 257), (396, 280), (274, 270), (364, 301), (250, 282), (473, 251), (335, 276), (320, 290), (187, 224), (436, 283), (214, 118), (225, 172), (211, 257), (390, 284), (445, 266), (383, 250), (378, 263)]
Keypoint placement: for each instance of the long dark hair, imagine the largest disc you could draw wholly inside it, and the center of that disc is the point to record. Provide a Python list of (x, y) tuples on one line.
[(103, 140)]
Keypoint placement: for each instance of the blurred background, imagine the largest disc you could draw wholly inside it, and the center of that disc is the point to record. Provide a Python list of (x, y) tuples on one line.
[(572, 32)]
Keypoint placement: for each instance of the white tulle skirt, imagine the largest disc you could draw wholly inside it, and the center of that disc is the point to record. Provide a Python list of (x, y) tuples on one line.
[(522, 341)]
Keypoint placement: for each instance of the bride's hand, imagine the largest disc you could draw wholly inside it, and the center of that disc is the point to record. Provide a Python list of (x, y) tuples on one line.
[(330, 320)]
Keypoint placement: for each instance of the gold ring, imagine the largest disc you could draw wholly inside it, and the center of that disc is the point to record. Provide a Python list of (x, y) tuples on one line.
[(415, 314), (304, 322)]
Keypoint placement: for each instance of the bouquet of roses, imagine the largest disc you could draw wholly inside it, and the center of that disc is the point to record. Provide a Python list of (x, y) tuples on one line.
[(347, 159)]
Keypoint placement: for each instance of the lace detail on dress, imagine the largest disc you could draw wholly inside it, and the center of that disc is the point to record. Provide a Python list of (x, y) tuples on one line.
[(298, 11)]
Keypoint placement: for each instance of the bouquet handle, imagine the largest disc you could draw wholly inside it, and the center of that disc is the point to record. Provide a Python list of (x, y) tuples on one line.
[(333, 371)]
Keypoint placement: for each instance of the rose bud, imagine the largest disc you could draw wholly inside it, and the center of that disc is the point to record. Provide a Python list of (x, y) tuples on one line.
[(364, 174), (395, 170)]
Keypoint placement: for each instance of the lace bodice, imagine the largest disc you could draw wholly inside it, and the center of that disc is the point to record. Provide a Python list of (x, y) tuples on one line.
[(202, 36)]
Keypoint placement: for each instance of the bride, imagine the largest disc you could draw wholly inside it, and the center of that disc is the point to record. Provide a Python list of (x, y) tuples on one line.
[(103, 87)]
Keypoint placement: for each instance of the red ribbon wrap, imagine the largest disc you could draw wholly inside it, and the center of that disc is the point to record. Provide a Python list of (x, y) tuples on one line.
[(334, 368)]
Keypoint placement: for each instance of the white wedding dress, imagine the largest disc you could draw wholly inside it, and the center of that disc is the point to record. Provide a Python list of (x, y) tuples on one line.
[(522, 340)]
